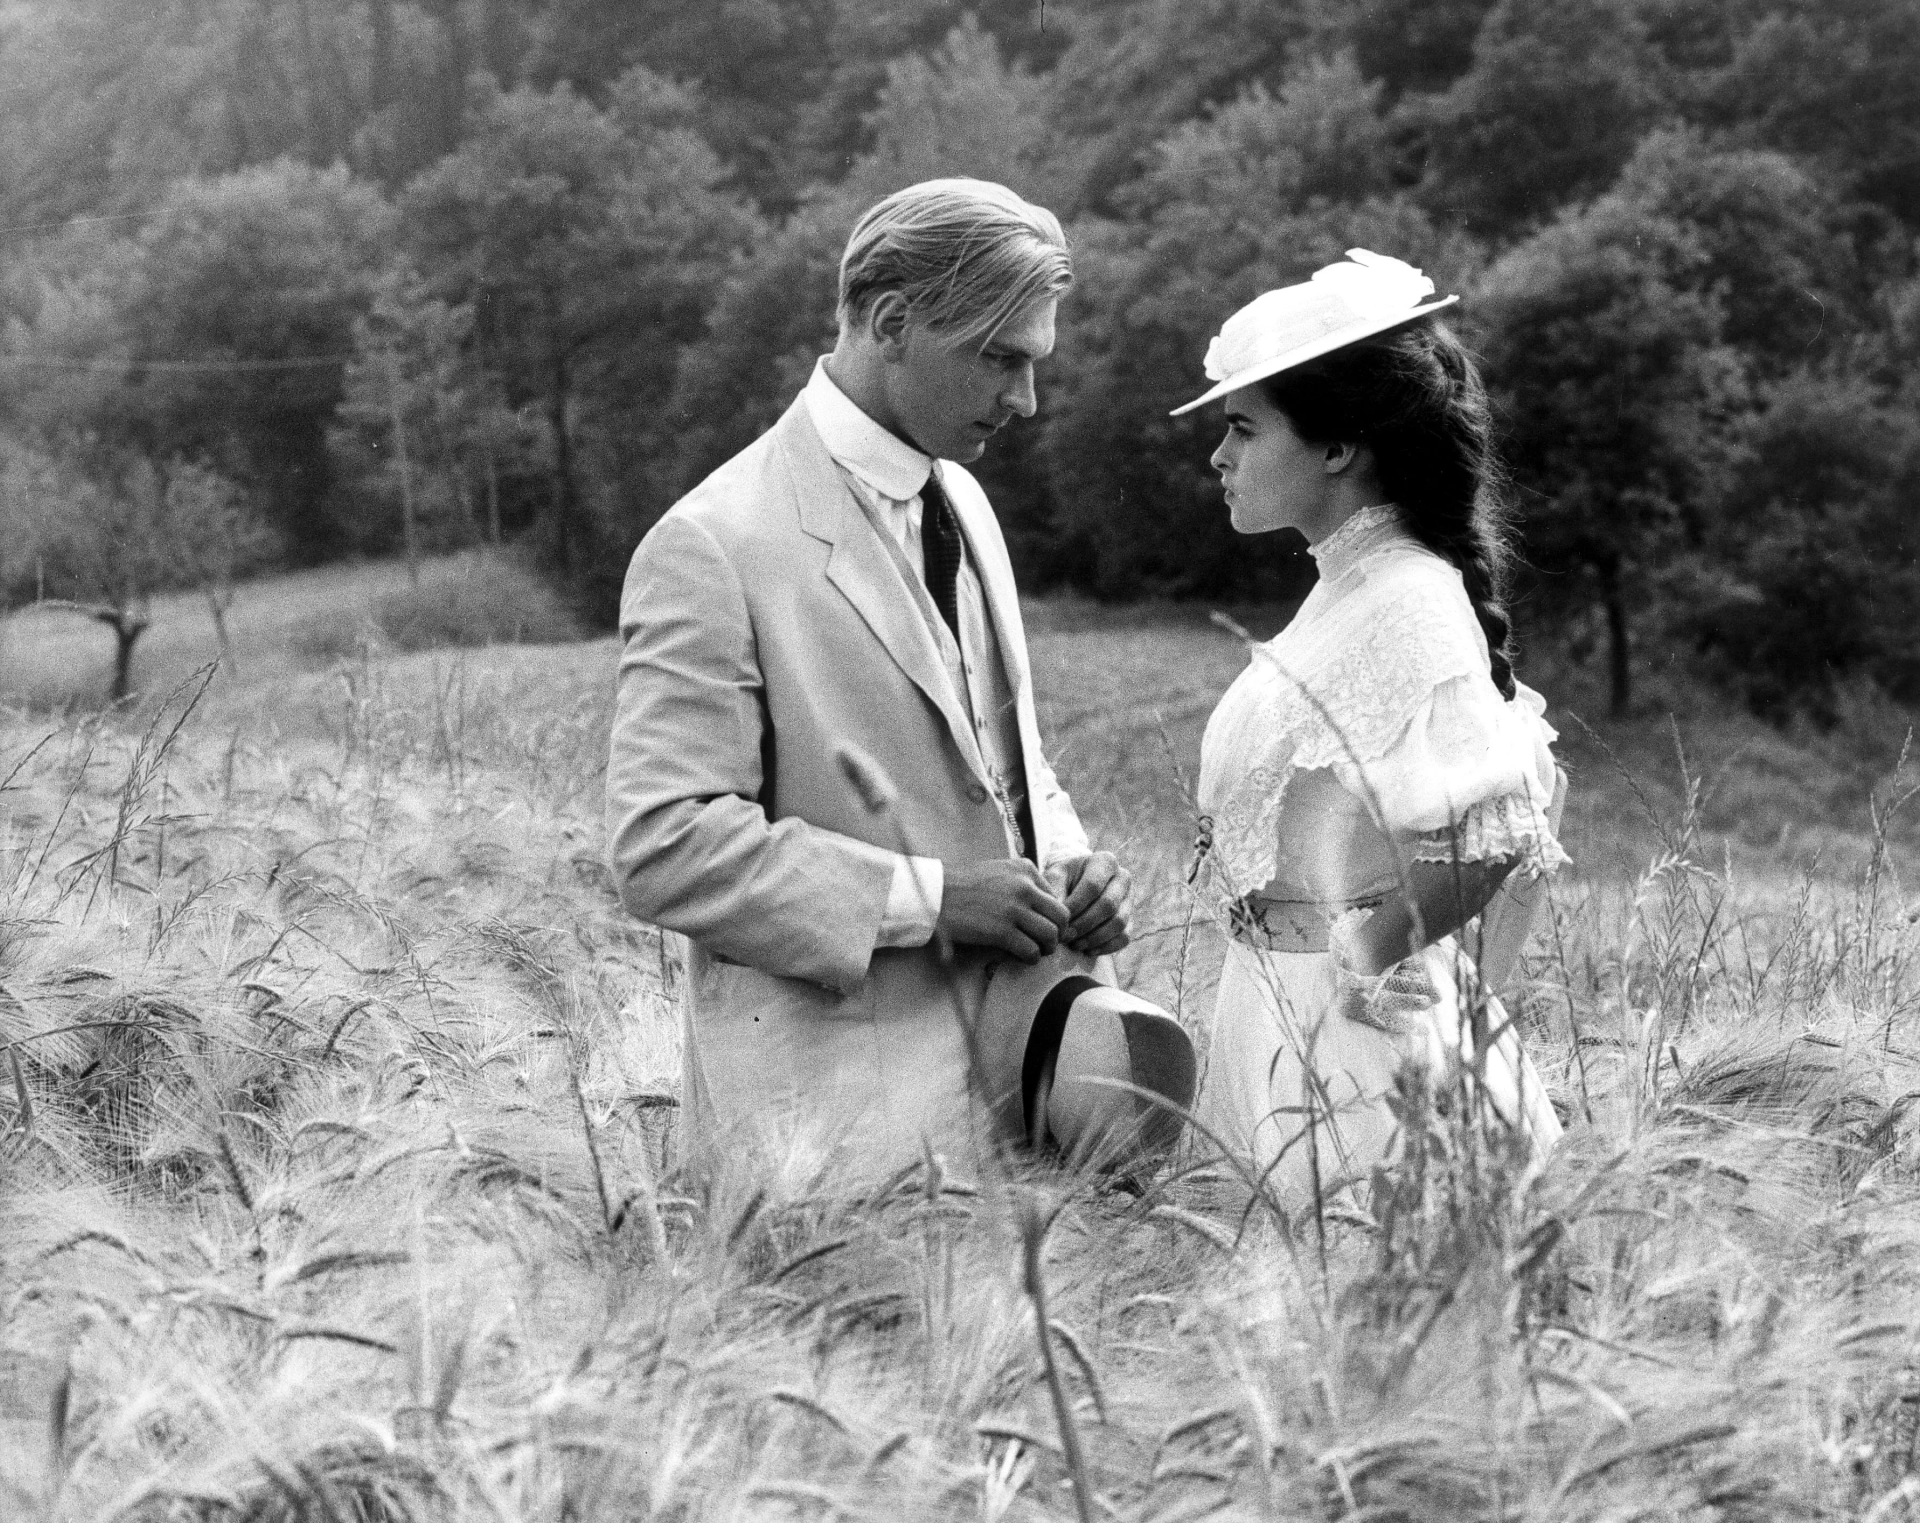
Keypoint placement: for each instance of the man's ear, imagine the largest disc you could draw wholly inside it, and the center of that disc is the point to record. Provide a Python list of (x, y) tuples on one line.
[(887, 322), (1340, 457)]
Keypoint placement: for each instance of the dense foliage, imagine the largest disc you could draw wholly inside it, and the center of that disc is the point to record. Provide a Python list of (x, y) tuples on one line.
[(529, 268)]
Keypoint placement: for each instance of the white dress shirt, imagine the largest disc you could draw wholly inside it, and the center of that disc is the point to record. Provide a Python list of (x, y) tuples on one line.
[(888, 476)]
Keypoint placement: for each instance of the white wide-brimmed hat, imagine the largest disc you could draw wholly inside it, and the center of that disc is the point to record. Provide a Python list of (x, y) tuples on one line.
[(1365, 294), (1138, 1050)]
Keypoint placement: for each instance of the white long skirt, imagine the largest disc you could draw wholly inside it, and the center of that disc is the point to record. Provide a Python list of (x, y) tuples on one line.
[(1300, 1091)]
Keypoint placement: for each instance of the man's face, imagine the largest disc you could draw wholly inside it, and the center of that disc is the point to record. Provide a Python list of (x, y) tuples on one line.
[(949, 399)]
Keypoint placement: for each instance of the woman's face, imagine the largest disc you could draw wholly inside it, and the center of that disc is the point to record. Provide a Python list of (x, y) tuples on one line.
[(1274, 479)]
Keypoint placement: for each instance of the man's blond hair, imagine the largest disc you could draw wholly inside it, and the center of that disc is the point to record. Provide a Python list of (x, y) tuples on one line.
[(965, 254)]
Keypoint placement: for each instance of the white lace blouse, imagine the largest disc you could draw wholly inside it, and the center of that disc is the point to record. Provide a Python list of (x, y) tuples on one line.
[(1368, 732)]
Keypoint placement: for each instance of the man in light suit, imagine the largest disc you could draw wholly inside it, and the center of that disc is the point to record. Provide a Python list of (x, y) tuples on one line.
[(829, 614)]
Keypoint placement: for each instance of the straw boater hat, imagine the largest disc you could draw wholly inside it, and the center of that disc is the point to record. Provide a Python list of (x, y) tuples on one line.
[(1366, 294), (1025, 1014)]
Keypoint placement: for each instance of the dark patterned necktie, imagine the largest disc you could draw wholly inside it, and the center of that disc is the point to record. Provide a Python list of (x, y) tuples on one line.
[(942, 551)]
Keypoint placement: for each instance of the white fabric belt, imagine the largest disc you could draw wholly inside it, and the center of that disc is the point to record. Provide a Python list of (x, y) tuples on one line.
[(1289, 925)]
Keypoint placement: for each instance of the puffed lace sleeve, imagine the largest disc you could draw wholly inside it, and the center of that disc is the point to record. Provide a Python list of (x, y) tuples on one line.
[(1381, 680), (1471, 778)]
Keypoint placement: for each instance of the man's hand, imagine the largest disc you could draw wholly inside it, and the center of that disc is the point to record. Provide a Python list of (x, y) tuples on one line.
[(1096, 889), (1004, 904)]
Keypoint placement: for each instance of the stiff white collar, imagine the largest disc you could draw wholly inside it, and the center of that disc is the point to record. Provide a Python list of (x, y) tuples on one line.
[(1364, 532), (885, 462)]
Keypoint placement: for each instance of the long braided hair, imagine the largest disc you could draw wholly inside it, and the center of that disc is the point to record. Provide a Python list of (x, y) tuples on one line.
[(1415, 397)]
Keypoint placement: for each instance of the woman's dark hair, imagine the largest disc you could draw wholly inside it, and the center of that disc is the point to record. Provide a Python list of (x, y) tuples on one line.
[(1415, 397)]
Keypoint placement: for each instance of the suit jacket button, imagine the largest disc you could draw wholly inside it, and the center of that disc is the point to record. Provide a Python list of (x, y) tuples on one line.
[(977, 793)]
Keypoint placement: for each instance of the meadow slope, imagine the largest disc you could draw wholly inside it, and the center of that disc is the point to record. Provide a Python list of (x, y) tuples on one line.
[(334, 1180)]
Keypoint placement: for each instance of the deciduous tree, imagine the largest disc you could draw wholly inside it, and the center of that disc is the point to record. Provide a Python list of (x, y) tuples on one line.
[(439, 456), (1626, 341), (1812, 577), (587, 241), (1559, 93), (1606, 361), (219, 329), (1260, 195)]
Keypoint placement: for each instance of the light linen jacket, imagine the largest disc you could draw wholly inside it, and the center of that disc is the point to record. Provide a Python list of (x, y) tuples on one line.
[(767, 631)]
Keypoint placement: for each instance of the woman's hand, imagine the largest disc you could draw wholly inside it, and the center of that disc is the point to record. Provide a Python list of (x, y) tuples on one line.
[(1387, 1001)]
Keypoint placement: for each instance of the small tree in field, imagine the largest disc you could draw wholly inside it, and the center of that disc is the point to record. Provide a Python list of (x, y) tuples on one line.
[(101, 543), (210, 536), (107, 556)]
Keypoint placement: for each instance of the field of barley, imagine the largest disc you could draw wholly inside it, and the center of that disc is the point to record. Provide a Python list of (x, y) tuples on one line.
[(337, 1100)]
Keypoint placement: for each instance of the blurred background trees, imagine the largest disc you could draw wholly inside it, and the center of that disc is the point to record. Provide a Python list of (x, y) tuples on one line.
[(392, 273)]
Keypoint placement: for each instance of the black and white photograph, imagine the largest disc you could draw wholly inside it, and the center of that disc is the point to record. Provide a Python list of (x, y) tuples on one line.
[(858, 761)]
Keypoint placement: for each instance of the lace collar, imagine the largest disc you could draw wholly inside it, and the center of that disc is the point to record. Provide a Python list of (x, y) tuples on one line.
[(1366, 531)]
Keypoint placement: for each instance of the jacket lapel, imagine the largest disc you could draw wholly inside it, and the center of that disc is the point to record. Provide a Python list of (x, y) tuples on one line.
[(864, 573)]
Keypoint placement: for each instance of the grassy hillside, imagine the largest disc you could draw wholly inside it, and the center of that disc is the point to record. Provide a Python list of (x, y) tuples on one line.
[(284, 625), (336, 1089)]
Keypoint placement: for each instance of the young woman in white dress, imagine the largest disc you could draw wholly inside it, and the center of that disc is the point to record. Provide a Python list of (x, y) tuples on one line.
[(1379, 794)]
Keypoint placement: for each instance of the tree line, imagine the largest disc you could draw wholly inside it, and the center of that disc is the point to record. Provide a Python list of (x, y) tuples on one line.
[(285, 282)]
